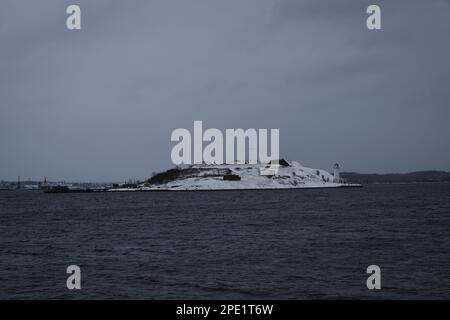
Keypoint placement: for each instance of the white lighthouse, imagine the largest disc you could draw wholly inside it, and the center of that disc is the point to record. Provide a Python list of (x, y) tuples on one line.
[(336, 177)]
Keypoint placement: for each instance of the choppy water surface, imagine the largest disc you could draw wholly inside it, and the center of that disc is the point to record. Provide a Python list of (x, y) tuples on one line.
[(228, 245)]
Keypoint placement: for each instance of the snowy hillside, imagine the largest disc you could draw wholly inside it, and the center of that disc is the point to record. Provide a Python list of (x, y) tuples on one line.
[(290, 174)]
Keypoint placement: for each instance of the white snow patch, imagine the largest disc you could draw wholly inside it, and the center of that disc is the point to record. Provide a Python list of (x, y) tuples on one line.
[(210, 178)]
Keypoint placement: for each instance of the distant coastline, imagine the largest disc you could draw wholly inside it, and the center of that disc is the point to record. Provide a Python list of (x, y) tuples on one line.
[(431, 176), (411, 177)]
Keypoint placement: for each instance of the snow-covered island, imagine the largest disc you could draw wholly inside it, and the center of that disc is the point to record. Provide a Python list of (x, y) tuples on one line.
[(290, 175)]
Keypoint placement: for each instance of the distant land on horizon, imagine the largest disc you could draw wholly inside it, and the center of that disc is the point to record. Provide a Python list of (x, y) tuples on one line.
[(351, 177), (411, 177)]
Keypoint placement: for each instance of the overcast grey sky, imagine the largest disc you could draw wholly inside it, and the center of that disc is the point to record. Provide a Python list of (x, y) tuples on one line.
[(100, 104)]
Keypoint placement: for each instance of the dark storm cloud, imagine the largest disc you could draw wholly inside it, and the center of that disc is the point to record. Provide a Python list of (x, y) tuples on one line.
[(100, 104)]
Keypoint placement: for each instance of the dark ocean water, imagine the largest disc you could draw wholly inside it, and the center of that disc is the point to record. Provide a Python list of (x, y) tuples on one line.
[(292, 244)]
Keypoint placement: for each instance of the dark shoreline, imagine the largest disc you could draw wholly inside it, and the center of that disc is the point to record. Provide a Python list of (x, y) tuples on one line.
[(208, 190), (361, 185)]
